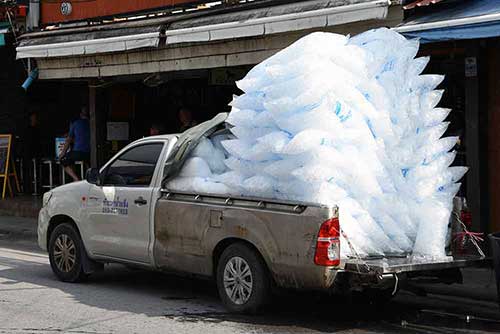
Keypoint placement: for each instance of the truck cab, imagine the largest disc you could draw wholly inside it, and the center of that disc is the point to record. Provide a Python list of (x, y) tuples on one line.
[(113, 212)]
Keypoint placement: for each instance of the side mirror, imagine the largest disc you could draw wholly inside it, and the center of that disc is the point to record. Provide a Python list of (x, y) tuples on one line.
[(93, 176)]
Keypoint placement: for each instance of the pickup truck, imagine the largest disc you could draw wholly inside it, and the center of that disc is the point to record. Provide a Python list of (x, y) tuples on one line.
[(124, 213)]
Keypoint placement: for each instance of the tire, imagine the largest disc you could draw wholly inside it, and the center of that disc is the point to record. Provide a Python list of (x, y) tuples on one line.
[(252, 270), (65, 244)]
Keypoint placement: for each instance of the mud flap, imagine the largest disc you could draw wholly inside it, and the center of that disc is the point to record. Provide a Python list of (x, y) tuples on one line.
[(89, 266)]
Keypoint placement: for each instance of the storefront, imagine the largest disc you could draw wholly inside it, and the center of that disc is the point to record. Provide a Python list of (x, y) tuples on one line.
[(462, 39), (140, 72), (129, 106)]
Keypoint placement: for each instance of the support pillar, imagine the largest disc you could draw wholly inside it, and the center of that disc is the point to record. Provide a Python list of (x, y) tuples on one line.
[(493, 56), (472, 138), (93, 127)]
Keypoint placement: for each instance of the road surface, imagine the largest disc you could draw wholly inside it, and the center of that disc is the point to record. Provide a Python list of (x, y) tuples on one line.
[(123, 300)]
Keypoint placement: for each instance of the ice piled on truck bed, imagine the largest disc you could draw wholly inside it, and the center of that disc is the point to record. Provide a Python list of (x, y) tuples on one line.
[(345, 121)]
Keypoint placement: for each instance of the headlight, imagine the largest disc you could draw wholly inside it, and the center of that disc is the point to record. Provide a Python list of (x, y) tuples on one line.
[(46, 198)]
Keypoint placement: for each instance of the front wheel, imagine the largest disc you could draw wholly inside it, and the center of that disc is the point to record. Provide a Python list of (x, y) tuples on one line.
[(65, 254), (242, 279)]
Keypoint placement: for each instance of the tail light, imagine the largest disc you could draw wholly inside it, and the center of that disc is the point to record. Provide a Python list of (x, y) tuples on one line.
[(328, 244)]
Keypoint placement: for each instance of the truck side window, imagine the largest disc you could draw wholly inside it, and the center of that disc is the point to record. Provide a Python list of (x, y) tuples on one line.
[(134, 167)]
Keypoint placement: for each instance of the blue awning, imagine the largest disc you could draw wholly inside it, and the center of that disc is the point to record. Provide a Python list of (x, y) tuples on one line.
[(468, 19)]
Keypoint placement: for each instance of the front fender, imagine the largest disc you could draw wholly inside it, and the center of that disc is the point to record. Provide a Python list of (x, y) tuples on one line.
[(68, 201)]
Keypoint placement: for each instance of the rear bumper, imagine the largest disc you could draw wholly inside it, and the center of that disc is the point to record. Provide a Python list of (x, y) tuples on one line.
[(408, 264), (310, 277), (389, 273)]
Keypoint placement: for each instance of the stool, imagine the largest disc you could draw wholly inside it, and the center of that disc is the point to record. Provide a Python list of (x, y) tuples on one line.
[(77, 163), (49, 164), (82, 168)]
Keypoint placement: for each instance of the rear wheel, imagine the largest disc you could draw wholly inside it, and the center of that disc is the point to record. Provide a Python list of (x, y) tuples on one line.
[(65, 253), (242, 279)]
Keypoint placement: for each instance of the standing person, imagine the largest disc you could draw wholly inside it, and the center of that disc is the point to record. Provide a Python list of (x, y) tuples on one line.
[(79, 136), (31, 149), (186, 119)]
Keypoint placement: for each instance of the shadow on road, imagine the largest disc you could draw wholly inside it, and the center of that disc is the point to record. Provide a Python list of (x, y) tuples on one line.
[(153, 294)]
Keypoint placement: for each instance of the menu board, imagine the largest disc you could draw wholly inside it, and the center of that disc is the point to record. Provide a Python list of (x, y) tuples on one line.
[(117, 131), (5, 143)]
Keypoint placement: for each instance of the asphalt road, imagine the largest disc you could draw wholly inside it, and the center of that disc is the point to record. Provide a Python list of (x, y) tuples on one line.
[(122, 300)]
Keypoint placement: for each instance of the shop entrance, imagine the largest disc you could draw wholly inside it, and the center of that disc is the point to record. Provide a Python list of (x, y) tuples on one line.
[(130, 108)]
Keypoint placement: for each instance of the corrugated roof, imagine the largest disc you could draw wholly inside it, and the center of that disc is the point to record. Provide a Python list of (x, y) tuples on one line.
[(455, 20), (293, 16)]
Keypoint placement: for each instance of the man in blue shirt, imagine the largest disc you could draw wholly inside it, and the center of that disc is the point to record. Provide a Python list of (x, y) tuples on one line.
[(79, 136)]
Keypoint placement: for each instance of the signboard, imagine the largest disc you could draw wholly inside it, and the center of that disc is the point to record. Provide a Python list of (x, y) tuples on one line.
[(5, 144), (77, 10), (7, 168), (117, 131)]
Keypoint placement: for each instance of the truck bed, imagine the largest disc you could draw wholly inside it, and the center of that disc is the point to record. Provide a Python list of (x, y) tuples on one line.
[(396, 265)]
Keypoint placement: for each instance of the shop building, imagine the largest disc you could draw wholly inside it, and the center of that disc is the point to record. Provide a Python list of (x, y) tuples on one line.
[(142, 65), (462, 38), (137, 63)]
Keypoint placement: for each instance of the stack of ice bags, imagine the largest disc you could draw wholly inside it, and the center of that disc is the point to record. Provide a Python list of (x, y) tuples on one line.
[(344, 121)]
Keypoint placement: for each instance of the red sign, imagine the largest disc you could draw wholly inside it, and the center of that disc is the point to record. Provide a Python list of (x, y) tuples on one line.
[(14, 12), (67, 11)]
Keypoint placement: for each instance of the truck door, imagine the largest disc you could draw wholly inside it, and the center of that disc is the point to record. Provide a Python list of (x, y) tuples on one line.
[(119, 210)]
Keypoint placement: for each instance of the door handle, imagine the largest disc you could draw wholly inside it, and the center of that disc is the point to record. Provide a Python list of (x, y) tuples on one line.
[(140, 201)]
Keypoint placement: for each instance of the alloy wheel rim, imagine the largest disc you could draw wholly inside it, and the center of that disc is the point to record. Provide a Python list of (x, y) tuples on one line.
[(238, 280), (64, 253)]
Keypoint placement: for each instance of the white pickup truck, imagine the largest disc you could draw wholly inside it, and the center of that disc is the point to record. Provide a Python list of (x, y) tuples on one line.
[(123, 213)]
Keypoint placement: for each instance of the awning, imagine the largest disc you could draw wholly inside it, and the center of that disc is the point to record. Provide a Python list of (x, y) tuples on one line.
[(87, 43), (254, 22), (277, 19), (454, 21)]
